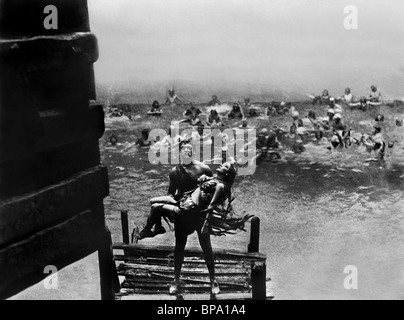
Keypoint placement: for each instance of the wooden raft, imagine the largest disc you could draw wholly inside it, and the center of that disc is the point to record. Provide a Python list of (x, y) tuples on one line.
[(148, 271)]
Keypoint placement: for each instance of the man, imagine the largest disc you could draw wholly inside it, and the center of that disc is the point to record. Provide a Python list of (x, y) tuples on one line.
[(347, 97), (333, 105), (214, 102), (341, 131), (375, 141), (183, 178), (172, 98), (192, 112), (375, 96), (236, 112)]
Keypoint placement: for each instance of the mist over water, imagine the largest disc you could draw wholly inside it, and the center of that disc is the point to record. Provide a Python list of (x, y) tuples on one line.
[(263, 49)]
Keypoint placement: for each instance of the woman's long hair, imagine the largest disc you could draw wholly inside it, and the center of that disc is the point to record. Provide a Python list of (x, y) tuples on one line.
[(229, 178)]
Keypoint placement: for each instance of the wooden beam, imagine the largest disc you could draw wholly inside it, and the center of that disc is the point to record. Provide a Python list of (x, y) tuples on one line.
[(22, 263), (24, 216), (254, 245), (125, 226), (258, 281), (128, 294), (139, 249)]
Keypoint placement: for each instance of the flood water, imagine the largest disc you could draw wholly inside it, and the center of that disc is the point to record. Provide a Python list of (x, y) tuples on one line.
[(320, 212)]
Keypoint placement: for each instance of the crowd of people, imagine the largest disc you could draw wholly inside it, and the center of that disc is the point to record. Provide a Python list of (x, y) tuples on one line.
[(328, 130)]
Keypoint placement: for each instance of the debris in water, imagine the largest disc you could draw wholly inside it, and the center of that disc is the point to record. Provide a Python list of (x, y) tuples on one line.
[(120, 168), (364, 188)]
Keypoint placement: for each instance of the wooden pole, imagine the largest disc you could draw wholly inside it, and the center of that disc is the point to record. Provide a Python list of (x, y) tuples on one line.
[(125, 226), (258, 281), (254, 244), (105, 257), (258, 269)]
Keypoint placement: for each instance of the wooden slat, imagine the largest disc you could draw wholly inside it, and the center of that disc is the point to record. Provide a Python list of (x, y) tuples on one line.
[(158, 268), (170, 261), (240, 280), (140, 249), (52, 205), (130, 294), (22, 264), (185, 272)]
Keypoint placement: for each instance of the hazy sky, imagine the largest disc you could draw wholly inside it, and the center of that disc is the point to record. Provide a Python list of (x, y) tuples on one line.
[(284, 44)]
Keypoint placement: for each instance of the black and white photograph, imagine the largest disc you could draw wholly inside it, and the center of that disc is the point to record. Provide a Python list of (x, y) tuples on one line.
[(201, 150)]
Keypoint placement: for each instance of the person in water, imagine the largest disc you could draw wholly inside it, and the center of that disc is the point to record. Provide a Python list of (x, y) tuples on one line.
[(236, 112), (155, 107), (214, 102), (347, 97), (144, 141), (252, 110), (323, 99), (191, 112), (172, 98), (375, 96), (214, 119)]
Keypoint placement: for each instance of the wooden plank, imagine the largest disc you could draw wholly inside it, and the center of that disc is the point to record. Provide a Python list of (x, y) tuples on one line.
[(194, 287), (129, 294), (39, 170), (185, 272), (139, 249), (161, 278), (24, 216), (170, 261), (157, 268), (22, 264)]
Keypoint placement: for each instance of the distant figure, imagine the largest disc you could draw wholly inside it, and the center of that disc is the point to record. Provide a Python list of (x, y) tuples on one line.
[(323, 99), (236, 112), (375, 96), (113, 139), (244, 124), (155, 110), (172, 98), (192, 112), (379, 118), (144, 141), (347, 97), (214, 119), (247, 103), (298, 146), (214, 102), (252, 110), (333, 105), (375, 141), (282, 108), (330, 115), (296, 119)]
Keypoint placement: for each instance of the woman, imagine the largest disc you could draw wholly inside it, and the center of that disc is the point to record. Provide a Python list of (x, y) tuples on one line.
[(236, 112), (189, 215), (214, 119), (144, 141)]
